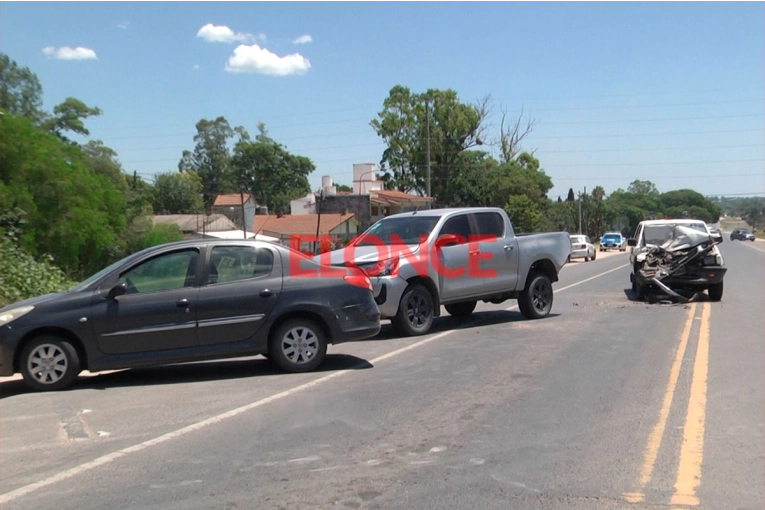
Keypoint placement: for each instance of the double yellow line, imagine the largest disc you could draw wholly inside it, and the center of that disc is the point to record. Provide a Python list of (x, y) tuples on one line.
[(692, 449)]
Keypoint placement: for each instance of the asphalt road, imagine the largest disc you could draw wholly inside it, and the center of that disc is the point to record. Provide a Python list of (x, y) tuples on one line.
[(608, 403)]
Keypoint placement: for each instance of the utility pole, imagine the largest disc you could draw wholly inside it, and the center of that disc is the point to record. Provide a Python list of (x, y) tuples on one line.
[(580, 210), (427, 152), (244, 220)]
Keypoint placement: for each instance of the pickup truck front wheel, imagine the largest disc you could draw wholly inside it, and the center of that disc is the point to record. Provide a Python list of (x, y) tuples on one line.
[(415, 311), (536, 299)]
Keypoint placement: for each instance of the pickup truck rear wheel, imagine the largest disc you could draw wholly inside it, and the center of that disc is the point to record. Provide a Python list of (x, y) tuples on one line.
[(536, 299), (461, 309), (715, 291), (415, 311)]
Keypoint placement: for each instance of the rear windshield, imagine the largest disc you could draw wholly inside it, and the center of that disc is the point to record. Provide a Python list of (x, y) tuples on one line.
[(577, 240)]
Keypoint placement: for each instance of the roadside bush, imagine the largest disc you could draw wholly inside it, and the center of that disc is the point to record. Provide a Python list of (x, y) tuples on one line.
[(22, 277), (160, 234)]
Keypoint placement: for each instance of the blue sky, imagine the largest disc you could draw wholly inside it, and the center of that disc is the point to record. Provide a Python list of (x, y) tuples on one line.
[(669, 92)]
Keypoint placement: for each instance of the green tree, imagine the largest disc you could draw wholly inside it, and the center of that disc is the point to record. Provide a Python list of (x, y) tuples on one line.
[(178, 193), (267, 170), (20, 91), (71, 213), (643, 188), (211, 159), (404, 123), (70, 116)]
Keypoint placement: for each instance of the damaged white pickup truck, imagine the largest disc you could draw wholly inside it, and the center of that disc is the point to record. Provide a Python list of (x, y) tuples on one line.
[(420, 260), (676, 257)]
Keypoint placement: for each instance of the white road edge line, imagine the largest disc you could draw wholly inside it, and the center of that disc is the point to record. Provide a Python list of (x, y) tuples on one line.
[(579, 283), (105, 459)]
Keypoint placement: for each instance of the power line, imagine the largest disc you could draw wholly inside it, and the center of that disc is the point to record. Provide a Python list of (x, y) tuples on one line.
[(709, 176), (650, 134), (650, 120), (624, 107)]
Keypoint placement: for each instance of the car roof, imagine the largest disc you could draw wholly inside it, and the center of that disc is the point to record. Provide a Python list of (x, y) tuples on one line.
[(612, 234)]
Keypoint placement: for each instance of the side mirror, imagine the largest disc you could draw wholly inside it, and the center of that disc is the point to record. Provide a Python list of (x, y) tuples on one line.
[(717, 238), (631, 242), (118, 290), (448, 240)]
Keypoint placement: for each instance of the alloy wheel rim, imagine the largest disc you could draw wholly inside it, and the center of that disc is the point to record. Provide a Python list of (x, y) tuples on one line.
[(417, 311), (541, 296), (300, 345), (47, 363)]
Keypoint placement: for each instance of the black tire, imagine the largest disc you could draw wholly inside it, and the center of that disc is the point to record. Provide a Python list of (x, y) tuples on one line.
[(639, 290), (715, 291), (461, 309), (298, 345), (536, 299), (49, 363), (415, 311), (594, 255)]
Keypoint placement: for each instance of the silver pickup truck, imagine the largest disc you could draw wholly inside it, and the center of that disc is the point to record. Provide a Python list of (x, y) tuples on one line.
[(420, 260)]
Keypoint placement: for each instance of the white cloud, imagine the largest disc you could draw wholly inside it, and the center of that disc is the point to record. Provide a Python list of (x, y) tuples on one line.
[(221, 33), (254, 59), (124, 25), (197, 66), (67, 53), (303, 39)]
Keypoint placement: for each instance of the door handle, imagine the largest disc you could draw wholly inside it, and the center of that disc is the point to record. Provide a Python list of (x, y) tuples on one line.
[(265, 293), (476, 252), (182, 303), (508, 247)]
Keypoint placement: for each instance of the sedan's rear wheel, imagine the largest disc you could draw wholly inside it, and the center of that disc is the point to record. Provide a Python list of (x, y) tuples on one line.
[(49, 363), (298, 345)]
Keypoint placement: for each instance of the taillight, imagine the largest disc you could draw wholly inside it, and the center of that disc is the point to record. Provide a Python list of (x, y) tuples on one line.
[(359, 280), (584, 246)]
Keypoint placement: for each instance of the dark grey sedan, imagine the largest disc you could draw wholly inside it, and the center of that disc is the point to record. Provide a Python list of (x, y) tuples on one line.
[(189, 301)]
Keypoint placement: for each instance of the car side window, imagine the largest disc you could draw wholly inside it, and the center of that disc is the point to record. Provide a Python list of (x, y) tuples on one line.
[(458, 225), (490, 224), (169, 271), (233, 263)]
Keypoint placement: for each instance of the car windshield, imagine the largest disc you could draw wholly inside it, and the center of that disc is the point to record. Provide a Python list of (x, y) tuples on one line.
[(612, 237), (403, 230), (659, 234)]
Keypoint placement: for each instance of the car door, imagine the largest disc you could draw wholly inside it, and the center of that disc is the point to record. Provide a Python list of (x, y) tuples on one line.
[(454, 275), (242, 287), (158, 310), (499, 253)]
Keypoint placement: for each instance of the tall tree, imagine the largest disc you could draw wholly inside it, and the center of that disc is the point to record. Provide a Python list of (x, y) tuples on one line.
[(406, 123), (643, 188), (267, 170), (211, 158), (70, 116), (178, 193), (20, 91)]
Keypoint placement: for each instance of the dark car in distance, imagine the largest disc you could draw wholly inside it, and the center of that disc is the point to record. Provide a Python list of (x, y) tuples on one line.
[(741, 234), (187, 301)]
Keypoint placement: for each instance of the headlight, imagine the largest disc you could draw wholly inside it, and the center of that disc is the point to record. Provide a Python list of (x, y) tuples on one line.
[(14, 313)]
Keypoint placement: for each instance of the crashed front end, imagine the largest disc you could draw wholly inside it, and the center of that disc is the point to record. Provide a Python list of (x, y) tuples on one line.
[(682, 267)]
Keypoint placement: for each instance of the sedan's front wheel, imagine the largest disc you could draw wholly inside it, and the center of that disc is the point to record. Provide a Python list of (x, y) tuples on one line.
[(298, 345), (49, 363)]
